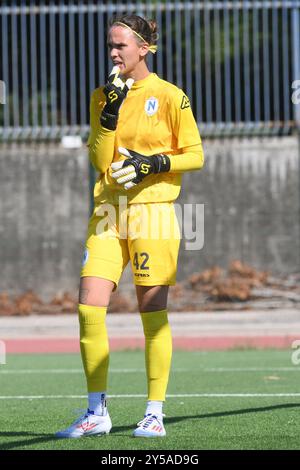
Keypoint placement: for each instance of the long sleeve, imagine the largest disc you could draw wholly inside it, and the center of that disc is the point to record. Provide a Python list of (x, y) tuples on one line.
[(191, 158), (101, 141), (187, 135)]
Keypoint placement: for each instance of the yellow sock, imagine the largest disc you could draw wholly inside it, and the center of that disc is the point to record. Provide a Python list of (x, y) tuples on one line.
[(94, 346), (158, 352)]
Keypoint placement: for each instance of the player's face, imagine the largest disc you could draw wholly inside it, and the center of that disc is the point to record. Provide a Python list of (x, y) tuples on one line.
[(124, 49)]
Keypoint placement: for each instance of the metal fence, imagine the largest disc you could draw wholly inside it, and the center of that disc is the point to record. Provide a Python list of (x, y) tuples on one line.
[(236, 60)]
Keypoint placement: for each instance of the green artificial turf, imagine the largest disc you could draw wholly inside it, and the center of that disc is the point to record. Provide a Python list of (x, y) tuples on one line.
[(192, 422)]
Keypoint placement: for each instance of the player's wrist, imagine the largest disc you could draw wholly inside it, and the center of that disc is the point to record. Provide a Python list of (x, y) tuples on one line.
[(109, 121), (161, 163)]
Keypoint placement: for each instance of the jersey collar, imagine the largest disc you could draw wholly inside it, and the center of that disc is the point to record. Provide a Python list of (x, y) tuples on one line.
[(144, 82)]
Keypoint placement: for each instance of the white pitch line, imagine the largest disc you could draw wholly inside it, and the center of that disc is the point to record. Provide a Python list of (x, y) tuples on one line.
[(180, 395), (42, 371), (129, 371), (65, 371), (251, 369), (77, 371)]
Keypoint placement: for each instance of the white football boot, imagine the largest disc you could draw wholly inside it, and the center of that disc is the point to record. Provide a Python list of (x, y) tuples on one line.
[(87, 425), (150, 426)]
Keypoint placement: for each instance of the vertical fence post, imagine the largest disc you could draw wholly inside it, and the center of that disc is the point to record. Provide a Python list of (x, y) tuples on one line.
[(296, 60), (296, 76), (5, 69)]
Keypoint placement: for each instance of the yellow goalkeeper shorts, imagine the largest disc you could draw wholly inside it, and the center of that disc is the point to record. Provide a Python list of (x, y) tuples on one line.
[(146, 234)]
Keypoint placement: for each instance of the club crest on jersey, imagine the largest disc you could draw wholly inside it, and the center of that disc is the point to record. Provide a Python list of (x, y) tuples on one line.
[(151, 106)]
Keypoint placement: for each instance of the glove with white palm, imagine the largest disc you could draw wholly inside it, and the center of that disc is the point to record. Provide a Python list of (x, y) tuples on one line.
[(115, 91), (136, 167)]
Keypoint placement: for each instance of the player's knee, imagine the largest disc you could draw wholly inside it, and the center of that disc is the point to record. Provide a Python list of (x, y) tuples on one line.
[(95, 291), (97, 299), (152, 306)]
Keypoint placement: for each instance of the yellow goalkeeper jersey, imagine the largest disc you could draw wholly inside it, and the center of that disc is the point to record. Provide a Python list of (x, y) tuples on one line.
[(155, 117)]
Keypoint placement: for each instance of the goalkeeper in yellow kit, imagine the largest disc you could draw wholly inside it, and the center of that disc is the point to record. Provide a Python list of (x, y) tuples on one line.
[(143, 136)]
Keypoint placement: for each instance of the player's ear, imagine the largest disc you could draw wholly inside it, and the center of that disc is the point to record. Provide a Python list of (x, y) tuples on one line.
[(144, 49)]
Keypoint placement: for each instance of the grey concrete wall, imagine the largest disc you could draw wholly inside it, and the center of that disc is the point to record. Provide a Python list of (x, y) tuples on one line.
[(250, 189), (44, 200)]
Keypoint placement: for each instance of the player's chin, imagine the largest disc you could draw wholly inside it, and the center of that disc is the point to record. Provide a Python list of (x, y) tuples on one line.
[(122, 68), (125, 71)]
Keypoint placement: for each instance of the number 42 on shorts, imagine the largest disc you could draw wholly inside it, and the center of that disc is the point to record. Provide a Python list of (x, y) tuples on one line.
[(140, 260)]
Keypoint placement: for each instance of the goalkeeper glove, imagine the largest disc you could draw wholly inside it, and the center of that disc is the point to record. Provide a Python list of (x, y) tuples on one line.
[(136, 167), (115, 91)]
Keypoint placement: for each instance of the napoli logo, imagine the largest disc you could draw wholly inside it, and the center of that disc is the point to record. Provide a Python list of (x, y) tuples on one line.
[(151, 106), (85, 256)]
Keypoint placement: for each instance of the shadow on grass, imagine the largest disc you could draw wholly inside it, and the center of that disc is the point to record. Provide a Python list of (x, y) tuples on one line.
[(177, 419), (29, 439)]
